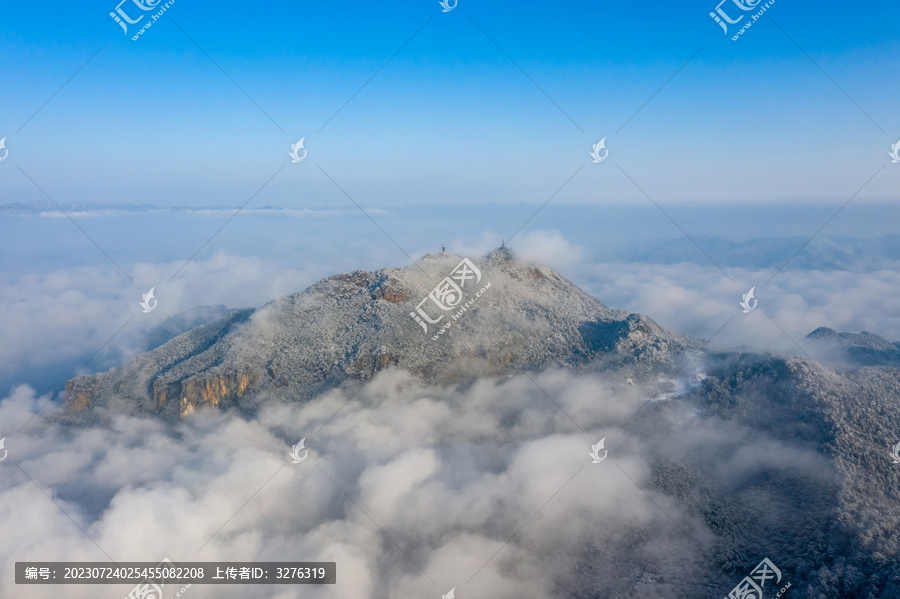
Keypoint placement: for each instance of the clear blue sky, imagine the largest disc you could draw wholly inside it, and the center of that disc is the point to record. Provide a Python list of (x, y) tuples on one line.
[(450, 119)]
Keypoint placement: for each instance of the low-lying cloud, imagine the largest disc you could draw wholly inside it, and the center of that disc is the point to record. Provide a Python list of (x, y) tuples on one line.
[(698, 300), (54, 323), (411, 489)]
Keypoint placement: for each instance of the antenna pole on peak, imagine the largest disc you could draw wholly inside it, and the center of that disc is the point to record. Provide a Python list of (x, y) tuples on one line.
[(443, 248), (502, 243)]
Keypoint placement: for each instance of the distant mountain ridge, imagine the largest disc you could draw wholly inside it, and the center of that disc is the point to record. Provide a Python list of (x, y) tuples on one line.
[(822, 252), (47, 208), (866, 349)]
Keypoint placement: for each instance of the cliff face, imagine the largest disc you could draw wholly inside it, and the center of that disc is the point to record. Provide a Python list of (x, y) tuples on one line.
[(444, 318), (190, 394), (79, 393)]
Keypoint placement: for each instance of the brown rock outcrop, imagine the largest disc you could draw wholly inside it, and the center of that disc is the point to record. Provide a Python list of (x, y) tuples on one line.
[(78, 398), (212, 391)]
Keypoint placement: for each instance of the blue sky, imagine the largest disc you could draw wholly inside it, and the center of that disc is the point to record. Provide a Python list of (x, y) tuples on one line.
[(450, 119)]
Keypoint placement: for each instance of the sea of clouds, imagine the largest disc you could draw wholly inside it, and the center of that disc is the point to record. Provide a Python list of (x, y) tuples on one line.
[(411, 489)]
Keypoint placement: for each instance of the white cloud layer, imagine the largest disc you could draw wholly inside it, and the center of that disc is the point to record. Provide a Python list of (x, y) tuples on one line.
[(698, 300), (488, 489), (62, 319), (448, 475)]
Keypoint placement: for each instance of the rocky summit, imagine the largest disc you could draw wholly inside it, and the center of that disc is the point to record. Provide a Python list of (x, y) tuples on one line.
[(445, 318)]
